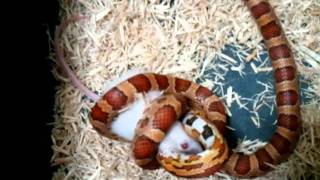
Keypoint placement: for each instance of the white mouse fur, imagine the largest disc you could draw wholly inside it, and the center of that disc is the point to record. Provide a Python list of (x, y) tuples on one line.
[(171, 144)]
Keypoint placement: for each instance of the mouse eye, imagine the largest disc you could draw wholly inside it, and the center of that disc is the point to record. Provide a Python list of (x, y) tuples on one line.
[(184, 145)]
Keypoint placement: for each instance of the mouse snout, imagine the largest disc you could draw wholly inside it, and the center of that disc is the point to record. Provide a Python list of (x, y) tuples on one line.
[(184, 146)]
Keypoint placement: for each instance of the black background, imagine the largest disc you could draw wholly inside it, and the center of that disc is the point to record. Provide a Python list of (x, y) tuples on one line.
[(29, 88), (48, 22)]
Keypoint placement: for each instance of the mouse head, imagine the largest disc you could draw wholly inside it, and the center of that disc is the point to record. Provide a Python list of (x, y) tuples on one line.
[(177, 141)]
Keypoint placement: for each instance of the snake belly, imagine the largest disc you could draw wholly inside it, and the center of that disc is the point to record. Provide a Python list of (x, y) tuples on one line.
[(280, 145)]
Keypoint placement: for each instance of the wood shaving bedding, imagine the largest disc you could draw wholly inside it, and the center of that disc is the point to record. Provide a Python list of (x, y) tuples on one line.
[(181, 39)]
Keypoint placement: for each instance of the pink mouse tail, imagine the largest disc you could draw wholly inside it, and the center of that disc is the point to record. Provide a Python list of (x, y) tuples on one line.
[(65, 67)]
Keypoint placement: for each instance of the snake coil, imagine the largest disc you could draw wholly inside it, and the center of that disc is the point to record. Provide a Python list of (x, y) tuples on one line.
[(182, 95)]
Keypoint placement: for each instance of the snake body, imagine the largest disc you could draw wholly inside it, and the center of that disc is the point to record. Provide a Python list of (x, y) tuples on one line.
[(162, 115), (288, 126), (159, 117)]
